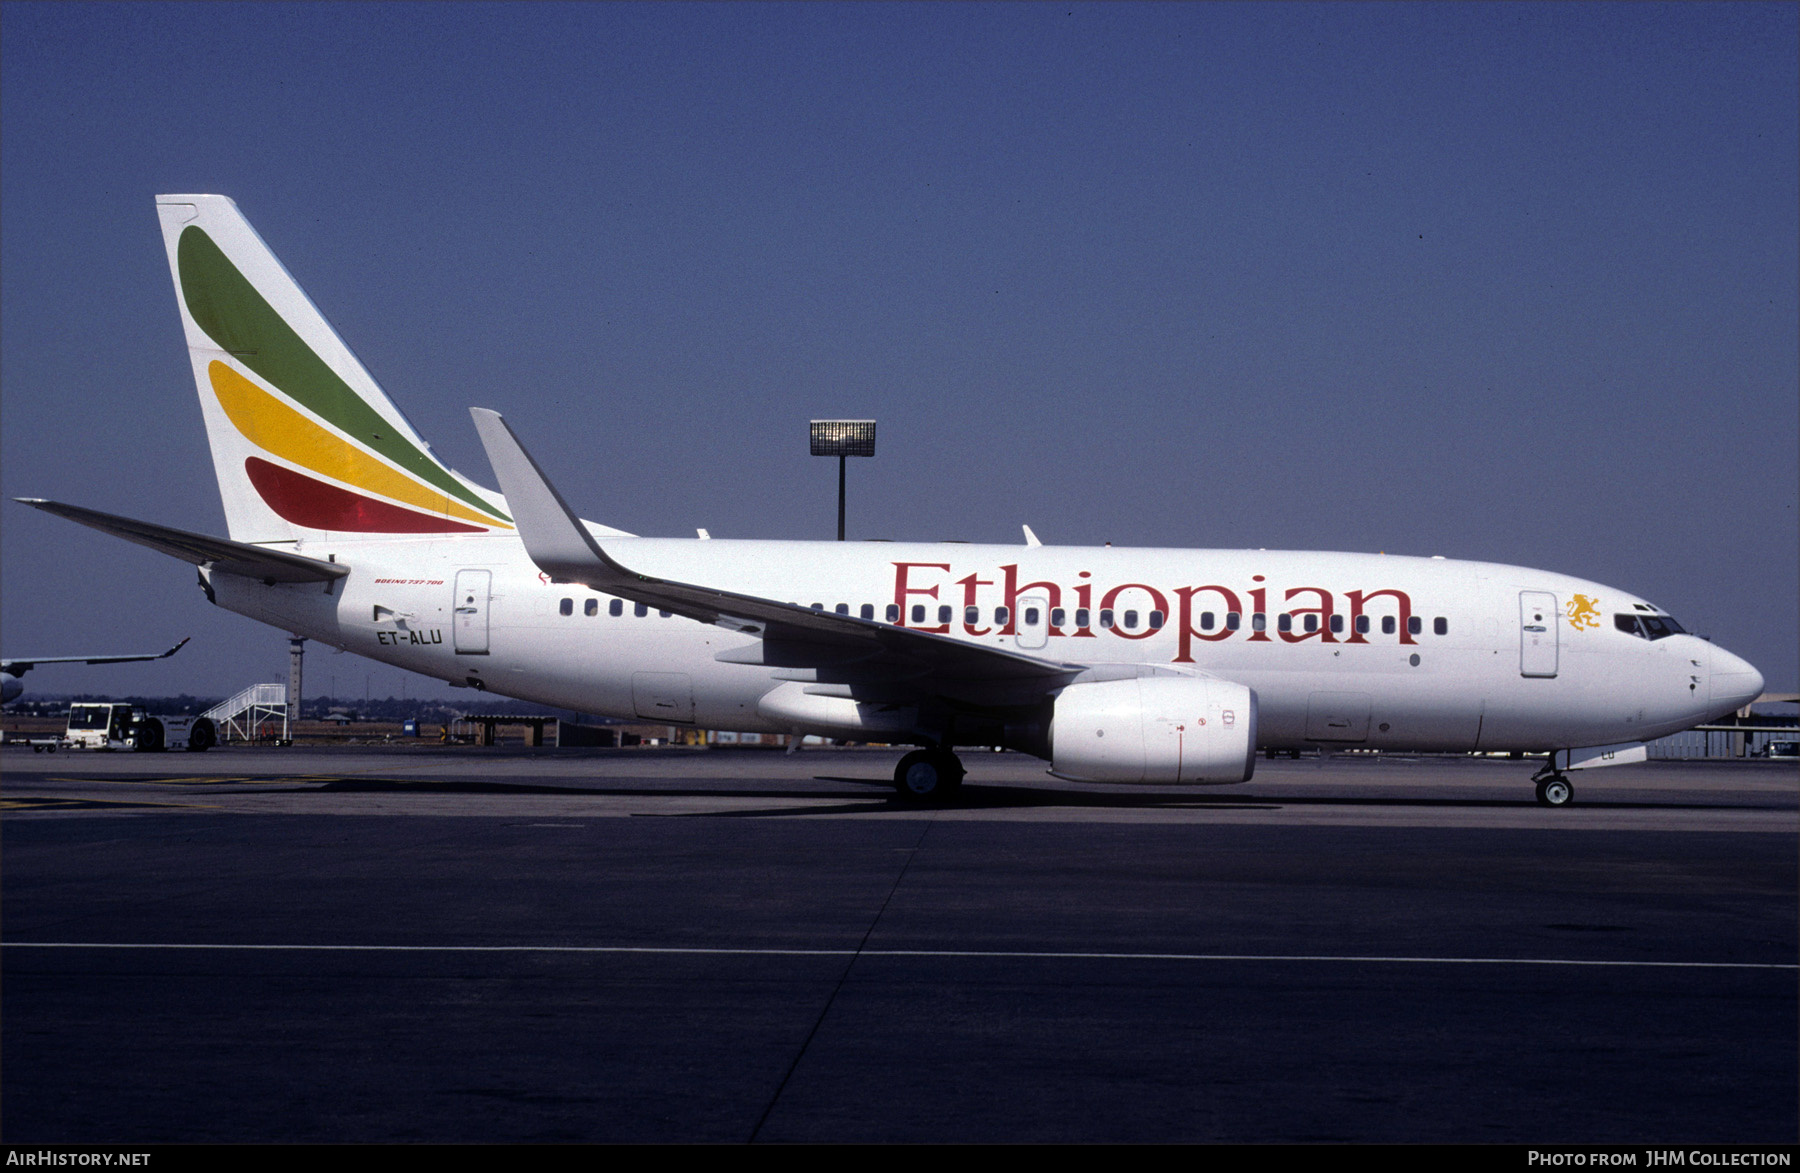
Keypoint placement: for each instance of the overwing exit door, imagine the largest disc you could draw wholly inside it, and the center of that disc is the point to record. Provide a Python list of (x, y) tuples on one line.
[(1033, 621)]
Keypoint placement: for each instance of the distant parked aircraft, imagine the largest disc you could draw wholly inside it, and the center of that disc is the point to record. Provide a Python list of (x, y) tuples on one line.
[(11, 687)]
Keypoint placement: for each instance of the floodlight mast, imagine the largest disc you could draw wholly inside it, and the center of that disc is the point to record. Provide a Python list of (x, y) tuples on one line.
[(842, 438)]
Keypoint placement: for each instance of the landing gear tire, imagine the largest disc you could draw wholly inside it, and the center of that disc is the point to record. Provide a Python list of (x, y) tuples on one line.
[(928, 776), (1555, 790)]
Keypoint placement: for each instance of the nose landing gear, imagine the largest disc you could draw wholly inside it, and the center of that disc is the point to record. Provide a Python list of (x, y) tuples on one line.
[(1555, 790)]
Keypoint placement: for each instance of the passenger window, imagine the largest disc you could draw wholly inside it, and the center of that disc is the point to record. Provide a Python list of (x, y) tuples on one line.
[(1337, 624), (944, 614), (1105, 617), (1206, 620), (616, 607), (1131, 621), (591, 607), (1284, 622), (971, 615), (818, 606), (1414, 625), (867, 611), (567, 606), (1031, 616), (842, 608), (640, 609), (1057, 616), (892, 612), (1387, 625), (918, 613), (662, 614), (1233, 621), (1001, 615), (1081, 617), (1312, 623), (1259, 622), (1440, 626), (1156, 620), (1362, 625)]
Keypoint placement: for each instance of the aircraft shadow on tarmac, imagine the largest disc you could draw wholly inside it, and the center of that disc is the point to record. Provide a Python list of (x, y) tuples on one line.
[(973, 796)]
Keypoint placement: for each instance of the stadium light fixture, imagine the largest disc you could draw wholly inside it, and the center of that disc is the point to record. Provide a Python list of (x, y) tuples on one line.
[(842, 438)]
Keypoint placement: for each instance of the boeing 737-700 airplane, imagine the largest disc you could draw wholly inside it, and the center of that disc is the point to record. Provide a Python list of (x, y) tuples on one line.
[(1113, 664)]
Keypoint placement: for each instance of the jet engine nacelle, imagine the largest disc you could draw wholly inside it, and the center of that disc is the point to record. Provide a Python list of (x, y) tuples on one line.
[(1154, 729)]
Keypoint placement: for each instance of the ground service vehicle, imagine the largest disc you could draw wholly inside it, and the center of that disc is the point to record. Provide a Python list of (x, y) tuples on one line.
[(105, 725)]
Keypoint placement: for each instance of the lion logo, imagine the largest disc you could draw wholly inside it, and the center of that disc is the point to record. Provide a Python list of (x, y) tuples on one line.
[(1584, 612)]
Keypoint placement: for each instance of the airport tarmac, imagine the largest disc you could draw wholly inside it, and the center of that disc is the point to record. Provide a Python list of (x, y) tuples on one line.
[(424, 944)]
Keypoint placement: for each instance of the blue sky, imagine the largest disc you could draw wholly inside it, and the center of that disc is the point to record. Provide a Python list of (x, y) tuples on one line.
[(1504, 282)]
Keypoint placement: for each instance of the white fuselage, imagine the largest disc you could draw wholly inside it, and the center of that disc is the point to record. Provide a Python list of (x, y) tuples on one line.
[(1377, 651)]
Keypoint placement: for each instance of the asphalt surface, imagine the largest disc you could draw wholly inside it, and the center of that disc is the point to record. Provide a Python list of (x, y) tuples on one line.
[(669, 945)]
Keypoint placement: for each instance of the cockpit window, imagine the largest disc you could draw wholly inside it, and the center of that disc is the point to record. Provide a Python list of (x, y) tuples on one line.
[(1651, 627)]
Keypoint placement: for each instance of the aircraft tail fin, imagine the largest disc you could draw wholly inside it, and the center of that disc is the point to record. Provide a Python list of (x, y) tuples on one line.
[(304, 442)]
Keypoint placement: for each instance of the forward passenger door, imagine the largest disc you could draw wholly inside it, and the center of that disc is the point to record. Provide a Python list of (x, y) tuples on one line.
[(1537, 633)]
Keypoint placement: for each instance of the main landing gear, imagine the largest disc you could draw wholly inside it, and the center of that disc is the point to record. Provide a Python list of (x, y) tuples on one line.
[(928, 776)]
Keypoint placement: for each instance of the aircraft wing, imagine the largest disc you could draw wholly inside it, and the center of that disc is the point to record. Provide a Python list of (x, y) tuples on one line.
[(792, 636), (218, 554), (20, 666)]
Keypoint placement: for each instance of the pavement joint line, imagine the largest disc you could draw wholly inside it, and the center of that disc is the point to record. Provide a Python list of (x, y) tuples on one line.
[(862, 943), (1018, 954)]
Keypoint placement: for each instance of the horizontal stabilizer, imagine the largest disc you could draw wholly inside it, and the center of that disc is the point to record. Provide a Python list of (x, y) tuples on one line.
[(217, 554)]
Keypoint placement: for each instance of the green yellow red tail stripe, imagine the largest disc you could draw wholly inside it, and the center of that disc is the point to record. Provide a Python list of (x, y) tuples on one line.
[(282, 431), (375, 457)]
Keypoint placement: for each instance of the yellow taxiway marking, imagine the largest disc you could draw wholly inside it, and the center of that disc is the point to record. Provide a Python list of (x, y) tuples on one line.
[(192, 781), (221, 779), (50, 803)]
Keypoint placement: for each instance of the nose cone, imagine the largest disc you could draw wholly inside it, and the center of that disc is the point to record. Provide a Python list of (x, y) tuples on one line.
[(1735, 683)]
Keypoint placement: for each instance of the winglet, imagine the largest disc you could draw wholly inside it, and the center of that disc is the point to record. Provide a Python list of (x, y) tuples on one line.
[(1031, 539), (554, 537)]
